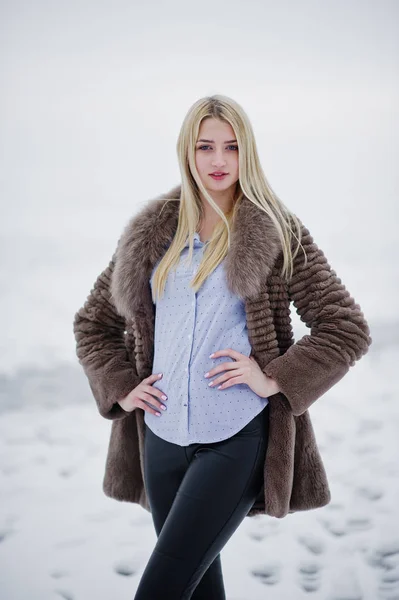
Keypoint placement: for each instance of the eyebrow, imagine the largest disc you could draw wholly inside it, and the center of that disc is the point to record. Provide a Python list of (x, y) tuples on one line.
[(213, 141)]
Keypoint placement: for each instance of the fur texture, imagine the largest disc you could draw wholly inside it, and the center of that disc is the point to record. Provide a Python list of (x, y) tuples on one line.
[(114, 333)]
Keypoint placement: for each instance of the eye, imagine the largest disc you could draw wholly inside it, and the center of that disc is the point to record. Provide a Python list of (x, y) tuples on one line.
[(231, 146)]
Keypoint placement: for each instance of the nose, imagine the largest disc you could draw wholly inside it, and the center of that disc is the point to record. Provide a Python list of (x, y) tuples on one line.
[(218, 160)]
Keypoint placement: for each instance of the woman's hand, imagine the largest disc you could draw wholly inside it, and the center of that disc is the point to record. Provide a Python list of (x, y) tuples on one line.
[(144, 391), (244, 370)]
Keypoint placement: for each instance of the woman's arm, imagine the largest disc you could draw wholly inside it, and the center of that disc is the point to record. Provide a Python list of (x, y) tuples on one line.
[(339, 333), (100, 346)]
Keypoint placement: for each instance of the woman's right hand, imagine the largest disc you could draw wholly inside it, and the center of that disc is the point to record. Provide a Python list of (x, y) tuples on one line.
[(144, 391)]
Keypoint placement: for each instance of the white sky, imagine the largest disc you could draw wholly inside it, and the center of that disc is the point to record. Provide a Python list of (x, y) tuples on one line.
[(93, 95)]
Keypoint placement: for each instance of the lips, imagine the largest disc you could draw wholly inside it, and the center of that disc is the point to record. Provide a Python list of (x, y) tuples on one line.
[(218, 177), (216, 173)]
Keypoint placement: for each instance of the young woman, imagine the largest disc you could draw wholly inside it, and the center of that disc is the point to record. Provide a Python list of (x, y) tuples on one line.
[(187, 344)]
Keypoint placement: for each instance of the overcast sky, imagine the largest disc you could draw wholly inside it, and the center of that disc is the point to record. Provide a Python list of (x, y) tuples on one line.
[(93, 95)]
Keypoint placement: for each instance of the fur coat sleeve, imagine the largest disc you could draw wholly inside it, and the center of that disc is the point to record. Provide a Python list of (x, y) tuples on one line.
[(339, 333), (100, 346)]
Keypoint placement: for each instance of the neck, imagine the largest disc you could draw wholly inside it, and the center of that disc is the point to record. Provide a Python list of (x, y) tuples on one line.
[(224, 200)]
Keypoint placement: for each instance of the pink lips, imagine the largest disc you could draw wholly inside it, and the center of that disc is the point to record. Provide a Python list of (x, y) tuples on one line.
[(218, 175)]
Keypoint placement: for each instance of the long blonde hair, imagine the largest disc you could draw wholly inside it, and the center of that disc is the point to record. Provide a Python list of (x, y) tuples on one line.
[(252, 183)]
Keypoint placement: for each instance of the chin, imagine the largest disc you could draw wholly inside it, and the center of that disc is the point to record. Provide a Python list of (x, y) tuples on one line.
[(216, 186)]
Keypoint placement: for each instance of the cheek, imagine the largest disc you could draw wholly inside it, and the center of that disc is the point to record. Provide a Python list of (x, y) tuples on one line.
[(200, 162), (234, 166)]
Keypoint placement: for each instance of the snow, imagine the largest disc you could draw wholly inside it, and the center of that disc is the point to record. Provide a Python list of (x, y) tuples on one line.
[(61, 537)]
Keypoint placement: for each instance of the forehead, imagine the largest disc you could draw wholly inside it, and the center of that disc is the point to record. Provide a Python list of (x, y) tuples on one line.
[(213, 129)]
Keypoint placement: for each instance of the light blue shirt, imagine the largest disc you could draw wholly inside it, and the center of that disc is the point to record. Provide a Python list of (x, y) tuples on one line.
[(190, 326)]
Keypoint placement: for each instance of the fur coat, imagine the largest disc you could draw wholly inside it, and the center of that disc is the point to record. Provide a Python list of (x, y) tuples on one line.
[(114, 333)]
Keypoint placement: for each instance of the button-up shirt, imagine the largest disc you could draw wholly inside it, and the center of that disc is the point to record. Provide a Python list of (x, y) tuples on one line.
[(189, 326)]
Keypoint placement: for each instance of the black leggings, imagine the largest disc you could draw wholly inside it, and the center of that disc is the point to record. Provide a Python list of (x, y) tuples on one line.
[(198, 494)]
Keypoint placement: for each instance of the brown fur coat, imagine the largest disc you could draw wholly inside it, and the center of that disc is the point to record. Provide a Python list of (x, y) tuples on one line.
[(114, 333)]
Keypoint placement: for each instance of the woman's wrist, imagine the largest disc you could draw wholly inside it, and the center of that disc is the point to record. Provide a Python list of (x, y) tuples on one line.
[(272, 386)]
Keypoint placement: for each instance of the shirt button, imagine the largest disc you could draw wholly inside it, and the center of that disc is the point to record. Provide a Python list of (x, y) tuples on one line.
[(189, 336)]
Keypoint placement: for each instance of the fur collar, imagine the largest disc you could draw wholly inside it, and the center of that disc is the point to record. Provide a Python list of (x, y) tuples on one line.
[(253, 251)]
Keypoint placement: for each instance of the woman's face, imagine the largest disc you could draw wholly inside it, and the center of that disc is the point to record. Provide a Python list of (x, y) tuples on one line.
[(216, 150)]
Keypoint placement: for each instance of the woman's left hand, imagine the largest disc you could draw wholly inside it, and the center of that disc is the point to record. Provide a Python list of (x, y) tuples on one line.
[(244, 369)]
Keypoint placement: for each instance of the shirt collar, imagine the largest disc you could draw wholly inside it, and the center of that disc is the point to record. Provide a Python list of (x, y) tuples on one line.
[(197, 241)]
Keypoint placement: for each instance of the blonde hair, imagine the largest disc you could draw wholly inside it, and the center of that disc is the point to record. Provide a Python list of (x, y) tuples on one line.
[(252, 183)]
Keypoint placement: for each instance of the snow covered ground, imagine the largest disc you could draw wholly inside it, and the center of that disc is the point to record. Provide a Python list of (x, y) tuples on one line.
[(62, 538)]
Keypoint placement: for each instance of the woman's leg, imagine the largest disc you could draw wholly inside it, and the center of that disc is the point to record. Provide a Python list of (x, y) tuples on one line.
[(218, 488), (165, 465), (211, 584)]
